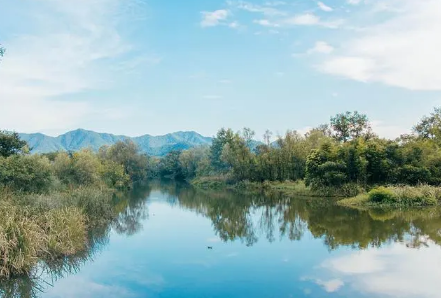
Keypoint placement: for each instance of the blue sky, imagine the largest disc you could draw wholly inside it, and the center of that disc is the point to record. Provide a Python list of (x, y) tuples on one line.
[(135, 67)]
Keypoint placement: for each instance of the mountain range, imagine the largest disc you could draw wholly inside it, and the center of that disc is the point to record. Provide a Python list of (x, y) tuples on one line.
[(80, 138)]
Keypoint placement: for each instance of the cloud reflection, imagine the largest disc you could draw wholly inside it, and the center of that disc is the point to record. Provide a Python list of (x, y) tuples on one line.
[(396, 271)]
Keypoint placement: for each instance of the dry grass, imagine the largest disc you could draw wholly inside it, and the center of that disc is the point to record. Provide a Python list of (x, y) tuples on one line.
[(50, 226)]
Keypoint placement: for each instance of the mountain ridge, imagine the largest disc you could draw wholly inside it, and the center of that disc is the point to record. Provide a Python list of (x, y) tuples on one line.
[(81, 138)]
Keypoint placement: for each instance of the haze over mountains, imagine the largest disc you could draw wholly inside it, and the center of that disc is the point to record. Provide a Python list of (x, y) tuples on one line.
[(80, 138)]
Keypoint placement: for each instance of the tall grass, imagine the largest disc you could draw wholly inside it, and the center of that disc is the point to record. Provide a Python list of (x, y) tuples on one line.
[(401, 196), (22, 240), (66, 231), (48, 226)]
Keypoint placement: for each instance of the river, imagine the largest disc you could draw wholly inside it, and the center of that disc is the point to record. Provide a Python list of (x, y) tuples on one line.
[(173, 241)]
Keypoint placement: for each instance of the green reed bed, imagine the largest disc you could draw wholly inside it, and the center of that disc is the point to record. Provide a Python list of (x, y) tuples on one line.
[(397, 196)]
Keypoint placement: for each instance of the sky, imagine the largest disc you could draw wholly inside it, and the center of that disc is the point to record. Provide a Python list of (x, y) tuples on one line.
[(137, 67)]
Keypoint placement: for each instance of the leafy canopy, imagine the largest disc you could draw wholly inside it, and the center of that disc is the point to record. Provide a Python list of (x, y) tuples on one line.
[(11, 144)]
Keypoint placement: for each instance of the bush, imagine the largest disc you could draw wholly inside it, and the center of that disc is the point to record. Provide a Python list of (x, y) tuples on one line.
[(26, 173), (417, 196), (381, 195)]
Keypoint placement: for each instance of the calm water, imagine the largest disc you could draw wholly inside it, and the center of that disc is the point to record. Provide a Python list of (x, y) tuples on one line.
[(262, 247)]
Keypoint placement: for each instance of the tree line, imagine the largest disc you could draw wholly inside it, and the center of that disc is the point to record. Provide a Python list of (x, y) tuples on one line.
[(344, 152), (116, 166)]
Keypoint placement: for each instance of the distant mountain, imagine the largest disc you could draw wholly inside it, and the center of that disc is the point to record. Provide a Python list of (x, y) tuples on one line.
[(80, 138)]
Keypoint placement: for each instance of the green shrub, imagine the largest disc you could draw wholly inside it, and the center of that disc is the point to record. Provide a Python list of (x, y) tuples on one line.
[(29, 173), (381, 195)]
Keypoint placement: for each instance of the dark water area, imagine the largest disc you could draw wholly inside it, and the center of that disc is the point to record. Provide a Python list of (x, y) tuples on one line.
[(172, 240)]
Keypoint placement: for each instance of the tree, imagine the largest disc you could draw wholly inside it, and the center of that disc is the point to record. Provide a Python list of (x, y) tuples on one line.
[(430, 126), (29, 173), (2, 51), (267, 137), (11, 144), (222, 138), (170, 166), (350, 125), (127, 154), (248, 135)]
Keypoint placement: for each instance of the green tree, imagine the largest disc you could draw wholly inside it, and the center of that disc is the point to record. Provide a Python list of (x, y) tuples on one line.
[(222, 138), (127, 154), (430, 126), (190, 160), (170, 166), (349, 126), (11, 144), (29, 173)]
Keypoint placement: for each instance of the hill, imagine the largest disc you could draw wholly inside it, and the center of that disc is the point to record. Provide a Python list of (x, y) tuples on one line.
[(80, 138)]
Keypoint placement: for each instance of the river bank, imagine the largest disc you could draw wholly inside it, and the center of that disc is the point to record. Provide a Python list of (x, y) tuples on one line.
[(350, 195), (51, 226)]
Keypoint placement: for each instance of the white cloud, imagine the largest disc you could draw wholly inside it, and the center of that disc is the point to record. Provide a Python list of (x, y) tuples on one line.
[(354, 2), (268, 9), (402, 51), (396, 271), (62, 55), (356, 68), (306, 19), (321, 47), (324, 7), (330, 286), (214, 18), (388, 131), (266, 23), (233, 25)]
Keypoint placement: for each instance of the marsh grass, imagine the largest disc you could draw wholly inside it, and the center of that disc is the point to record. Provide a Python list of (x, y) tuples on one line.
[(22, 240), (397, 196), (48, 226), (66, 231)]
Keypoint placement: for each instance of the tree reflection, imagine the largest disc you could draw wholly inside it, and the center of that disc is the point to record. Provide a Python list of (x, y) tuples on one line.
[(130, 210), (247, 217)]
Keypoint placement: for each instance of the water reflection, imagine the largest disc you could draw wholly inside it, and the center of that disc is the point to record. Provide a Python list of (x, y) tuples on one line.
[(273, 218), (234, 217)]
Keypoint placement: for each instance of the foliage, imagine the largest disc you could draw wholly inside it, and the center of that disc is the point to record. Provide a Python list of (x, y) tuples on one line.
[(430, 126), (410, 196), (381, 195), (127, 154), (170, 166), (11, 144), (26, 173), (350, 126)]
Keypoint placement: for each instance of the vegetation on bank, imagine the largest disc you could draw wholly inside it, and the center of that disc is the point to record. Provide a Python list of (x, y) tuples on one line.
[(343, 158), (401, 196), (49, 203)]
